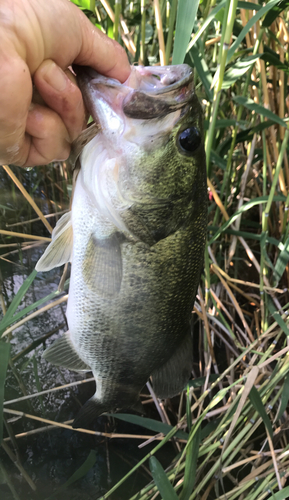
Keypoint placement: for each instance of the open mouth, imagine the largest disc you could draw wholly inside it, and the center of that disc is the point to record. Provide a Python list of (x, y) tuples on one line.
[(156, 80), (149, 92)]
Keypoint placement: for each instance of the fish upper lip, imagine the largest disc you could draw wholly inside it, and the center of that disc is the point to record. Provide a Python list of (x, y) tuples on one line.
[(182, 72)]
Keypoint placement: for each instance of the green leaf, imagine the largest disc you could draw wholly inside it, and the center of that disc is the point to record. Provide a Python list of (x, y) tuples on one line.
[(237, 70), (211, 17), (148, 32), (78, 474), (186, 15), (210, 427), (274, 12), (16, 301), (149, 423), (258, 108), (244, 208), (199, 382), (7, 320), (83, 4), (203, 71), (4, 359), (249, 6), (220, 162), (7, 208), (280, 495), (248, 27), (160, 478), (273, 60), (225, 123), (191, 466), (188, 409), (284, 397), (256, 401), (282, 261), (277, 317), (244, 135), (220, 15)]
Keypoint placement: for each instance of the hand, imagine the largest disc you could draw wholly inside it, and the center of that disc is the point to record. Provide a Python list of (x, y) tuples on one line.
[(39, 39)]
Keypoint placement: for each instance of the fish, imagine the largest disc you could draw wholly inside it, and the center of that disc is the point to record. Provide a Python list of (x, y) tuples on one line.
[(135, 236)]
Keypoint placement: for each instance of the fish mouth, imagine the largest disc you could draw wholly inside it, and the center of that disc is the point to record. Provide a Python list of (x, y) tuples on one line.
[(149, 92)]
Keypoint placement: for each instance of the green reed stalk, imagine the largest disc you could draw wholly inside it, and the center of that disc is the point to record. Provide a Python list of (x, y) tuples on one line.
[(117, 10), (172, 20), (275, 178), (227, 174), (143, 31), (228, 22), (263, 270)]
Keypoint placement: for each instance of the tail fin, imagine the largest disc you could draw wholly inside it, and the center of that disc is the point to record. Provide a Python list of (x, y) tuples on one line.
[(89, 412)]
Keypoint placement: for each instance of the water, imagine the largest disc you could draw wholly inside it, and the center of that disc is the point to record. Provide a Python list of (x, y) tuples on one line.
[(51, 457)]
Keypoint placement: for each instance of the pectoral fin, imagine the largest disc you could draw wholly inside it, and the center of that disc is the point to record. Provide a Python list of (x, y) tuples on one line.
[(59, 251), (102, 266), (63, 353), (171, 377)]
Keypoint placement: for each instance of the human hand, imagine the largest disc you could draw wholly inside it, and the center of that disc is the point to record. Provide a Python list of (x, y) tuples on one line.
[(39, 39)]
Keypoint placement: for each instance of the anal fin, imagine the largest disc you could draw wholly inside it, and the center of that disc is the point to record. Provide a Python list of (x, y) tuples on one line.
[(63, 353), (171, 378)]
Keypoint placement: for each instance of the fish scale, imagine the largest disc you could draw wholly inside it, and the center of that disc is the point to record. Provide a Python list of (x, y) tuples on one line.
[(135, 236)]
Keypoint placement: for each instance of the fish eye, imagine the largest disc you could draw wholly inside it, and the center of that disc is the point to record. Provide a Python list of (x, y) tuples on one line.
[(190, 139)]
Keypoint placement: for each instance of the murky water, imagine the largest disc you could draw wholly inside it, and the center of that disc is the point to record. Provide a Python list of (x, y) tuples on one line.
[(51, 457)]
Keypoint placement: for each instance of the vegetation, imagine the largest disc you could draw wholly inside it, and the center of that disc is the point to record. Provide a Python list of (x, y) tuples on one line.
[(229, 426)]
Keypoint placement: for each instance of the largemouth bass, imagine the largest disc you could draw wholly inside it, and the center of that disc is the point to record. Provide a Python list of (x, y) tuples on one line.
[(135, 236)]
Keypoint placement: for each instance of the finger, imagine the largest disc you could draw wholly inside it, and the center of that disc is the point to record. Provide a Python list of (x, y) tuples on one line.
[(60, 92), (15, 97), (81, 42), (103, 54), (46, 138)]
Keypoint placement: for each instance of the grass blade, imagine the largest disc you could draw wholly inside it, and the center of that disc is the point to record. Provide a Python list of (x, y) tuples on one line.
[(211, 17), (148, 423), (248, 5), (78, 474), (160, 478), (186, 15), (191, 466), (275, 314), (259, 109), (244, 208), (7, 321), (17, 299), (273, 13), (284, 397), (249, 25), (238, 70), (202, 69), (282, 261), (256, 401), (280, 495), (4, 358), (199, 382)]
